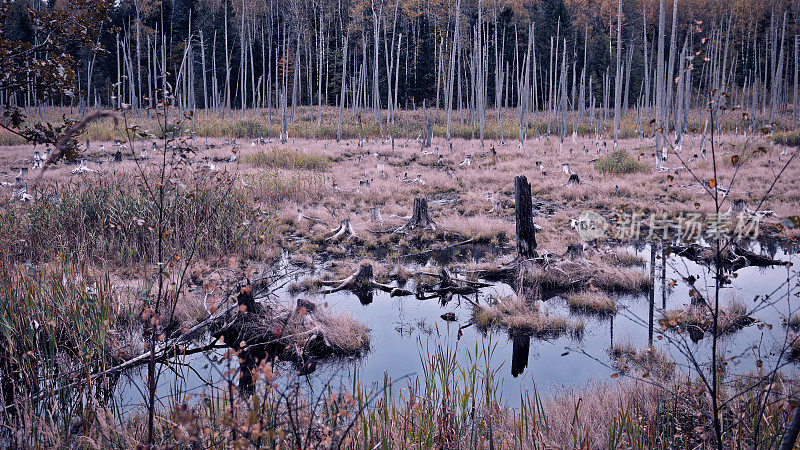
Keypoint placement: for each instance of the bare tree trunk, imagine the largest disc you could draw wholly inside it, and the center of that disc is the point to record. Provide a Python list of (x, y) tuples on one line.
[(341, 99), (452, 67), (796, 99), (321, 50), (227, 67), (376, 98), (526, 233), (203, 63), (669, 82), (618, 76), (660, 84)]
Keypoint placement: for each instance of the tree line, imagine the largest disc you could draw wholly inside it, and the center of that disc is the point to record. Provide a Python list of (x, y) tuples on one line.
[(569, 59)]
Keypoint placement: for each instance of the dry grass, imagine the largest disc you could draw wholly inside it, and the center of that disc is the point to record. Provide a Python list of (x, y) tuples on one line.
[(517, 315), (623, 258), (732, 317), (343, 332), (592, 302), (568, 275), (619, 162), (287, 158), (649, 360)]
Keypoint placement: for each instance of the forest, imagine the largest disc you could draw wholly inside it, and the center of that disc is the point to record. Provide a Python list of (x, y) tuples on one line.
[(399, 224)]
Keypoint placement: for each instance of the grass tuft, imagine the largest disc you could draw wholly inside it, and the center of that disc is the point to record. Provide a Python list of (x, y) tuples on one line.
[(618, 163), (517, 315), (592, 302), (286, 158)]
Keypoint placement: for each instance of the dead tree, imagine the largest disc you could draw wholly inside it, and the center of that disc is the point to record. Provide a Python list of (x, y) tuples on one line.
[(526, 233)]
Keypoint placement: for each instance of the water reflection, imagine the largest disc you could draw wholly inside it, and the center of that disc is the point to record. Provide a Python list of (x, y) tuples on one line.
[(521, 347), (403, 328)]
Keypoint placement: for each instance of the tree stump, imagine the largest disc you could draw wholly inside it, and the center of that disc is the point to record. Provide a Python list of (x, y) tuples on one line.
[(420, 217), (575, 251), (573, 179), (246, 301), (737, 207), (375, 213), (526, 233), (428, 130), (345, 228)]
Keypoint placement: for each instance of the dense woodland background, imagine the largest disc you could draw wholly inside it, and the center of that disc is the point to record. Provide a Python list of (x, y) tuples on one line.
[(457, 55)]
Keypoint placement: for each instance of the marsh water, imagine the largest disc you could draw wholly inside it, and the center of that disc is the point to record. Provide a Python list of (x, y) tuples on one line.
[(404, 329)]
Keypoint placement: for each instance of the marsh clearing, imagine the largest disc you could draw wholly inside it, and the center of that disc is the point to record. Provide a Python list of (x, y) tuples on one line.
[(293, 199)]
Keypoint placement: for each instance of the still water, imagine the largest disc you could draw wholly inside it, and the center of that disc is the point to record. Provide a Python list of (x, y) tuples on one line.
[(403, 330)]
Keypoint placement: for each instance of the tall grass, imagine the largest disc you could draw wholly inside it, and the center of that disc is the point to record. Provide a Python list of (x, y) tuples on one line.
[(407, 124), (112, 221), (56, 329), (791, 138)]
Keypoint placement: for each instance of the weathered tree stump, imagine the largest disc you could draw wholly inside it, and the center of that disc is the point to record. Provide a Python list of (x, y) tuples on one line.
[(246, 301), (573, 179), (345, 228), (362, 283), (738, 207), (420, 217), (428, 130), (574, 251), (523, 204), (375, 213)]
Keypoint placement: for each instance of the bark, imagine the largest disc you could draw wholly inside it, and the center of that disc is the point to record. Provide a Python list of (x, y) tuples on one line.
[(526, 233), (420, 217)]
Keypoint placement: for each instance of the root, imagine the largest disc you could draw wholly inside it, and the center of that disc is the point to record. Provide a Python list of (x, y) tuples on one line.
[(345, 229), (362, 281)]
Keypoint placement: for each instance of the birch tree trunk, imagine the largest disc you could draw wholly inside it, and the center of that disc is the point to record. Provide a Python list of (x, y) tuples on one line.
[(618, 76), (342, 93)]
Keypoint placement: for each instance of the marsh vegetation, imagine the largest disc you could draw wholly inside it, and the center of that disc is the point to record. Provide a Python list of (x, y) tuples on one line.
[(322, 225)]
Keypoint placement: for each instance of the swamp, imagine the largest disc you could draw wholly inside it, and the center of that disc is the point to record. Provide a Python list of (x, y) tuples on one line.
[(460, 224)]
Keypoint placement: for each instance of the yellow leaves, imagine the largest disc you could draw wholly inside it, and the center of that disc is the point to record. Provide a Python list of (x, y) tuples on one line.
[(735, 159), (712, 183)]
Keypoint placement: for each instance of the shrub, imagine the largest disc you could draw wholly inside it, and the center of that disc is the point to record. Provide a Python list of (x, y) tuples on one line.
[(619, 162), (791, 138), (286, 158)]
